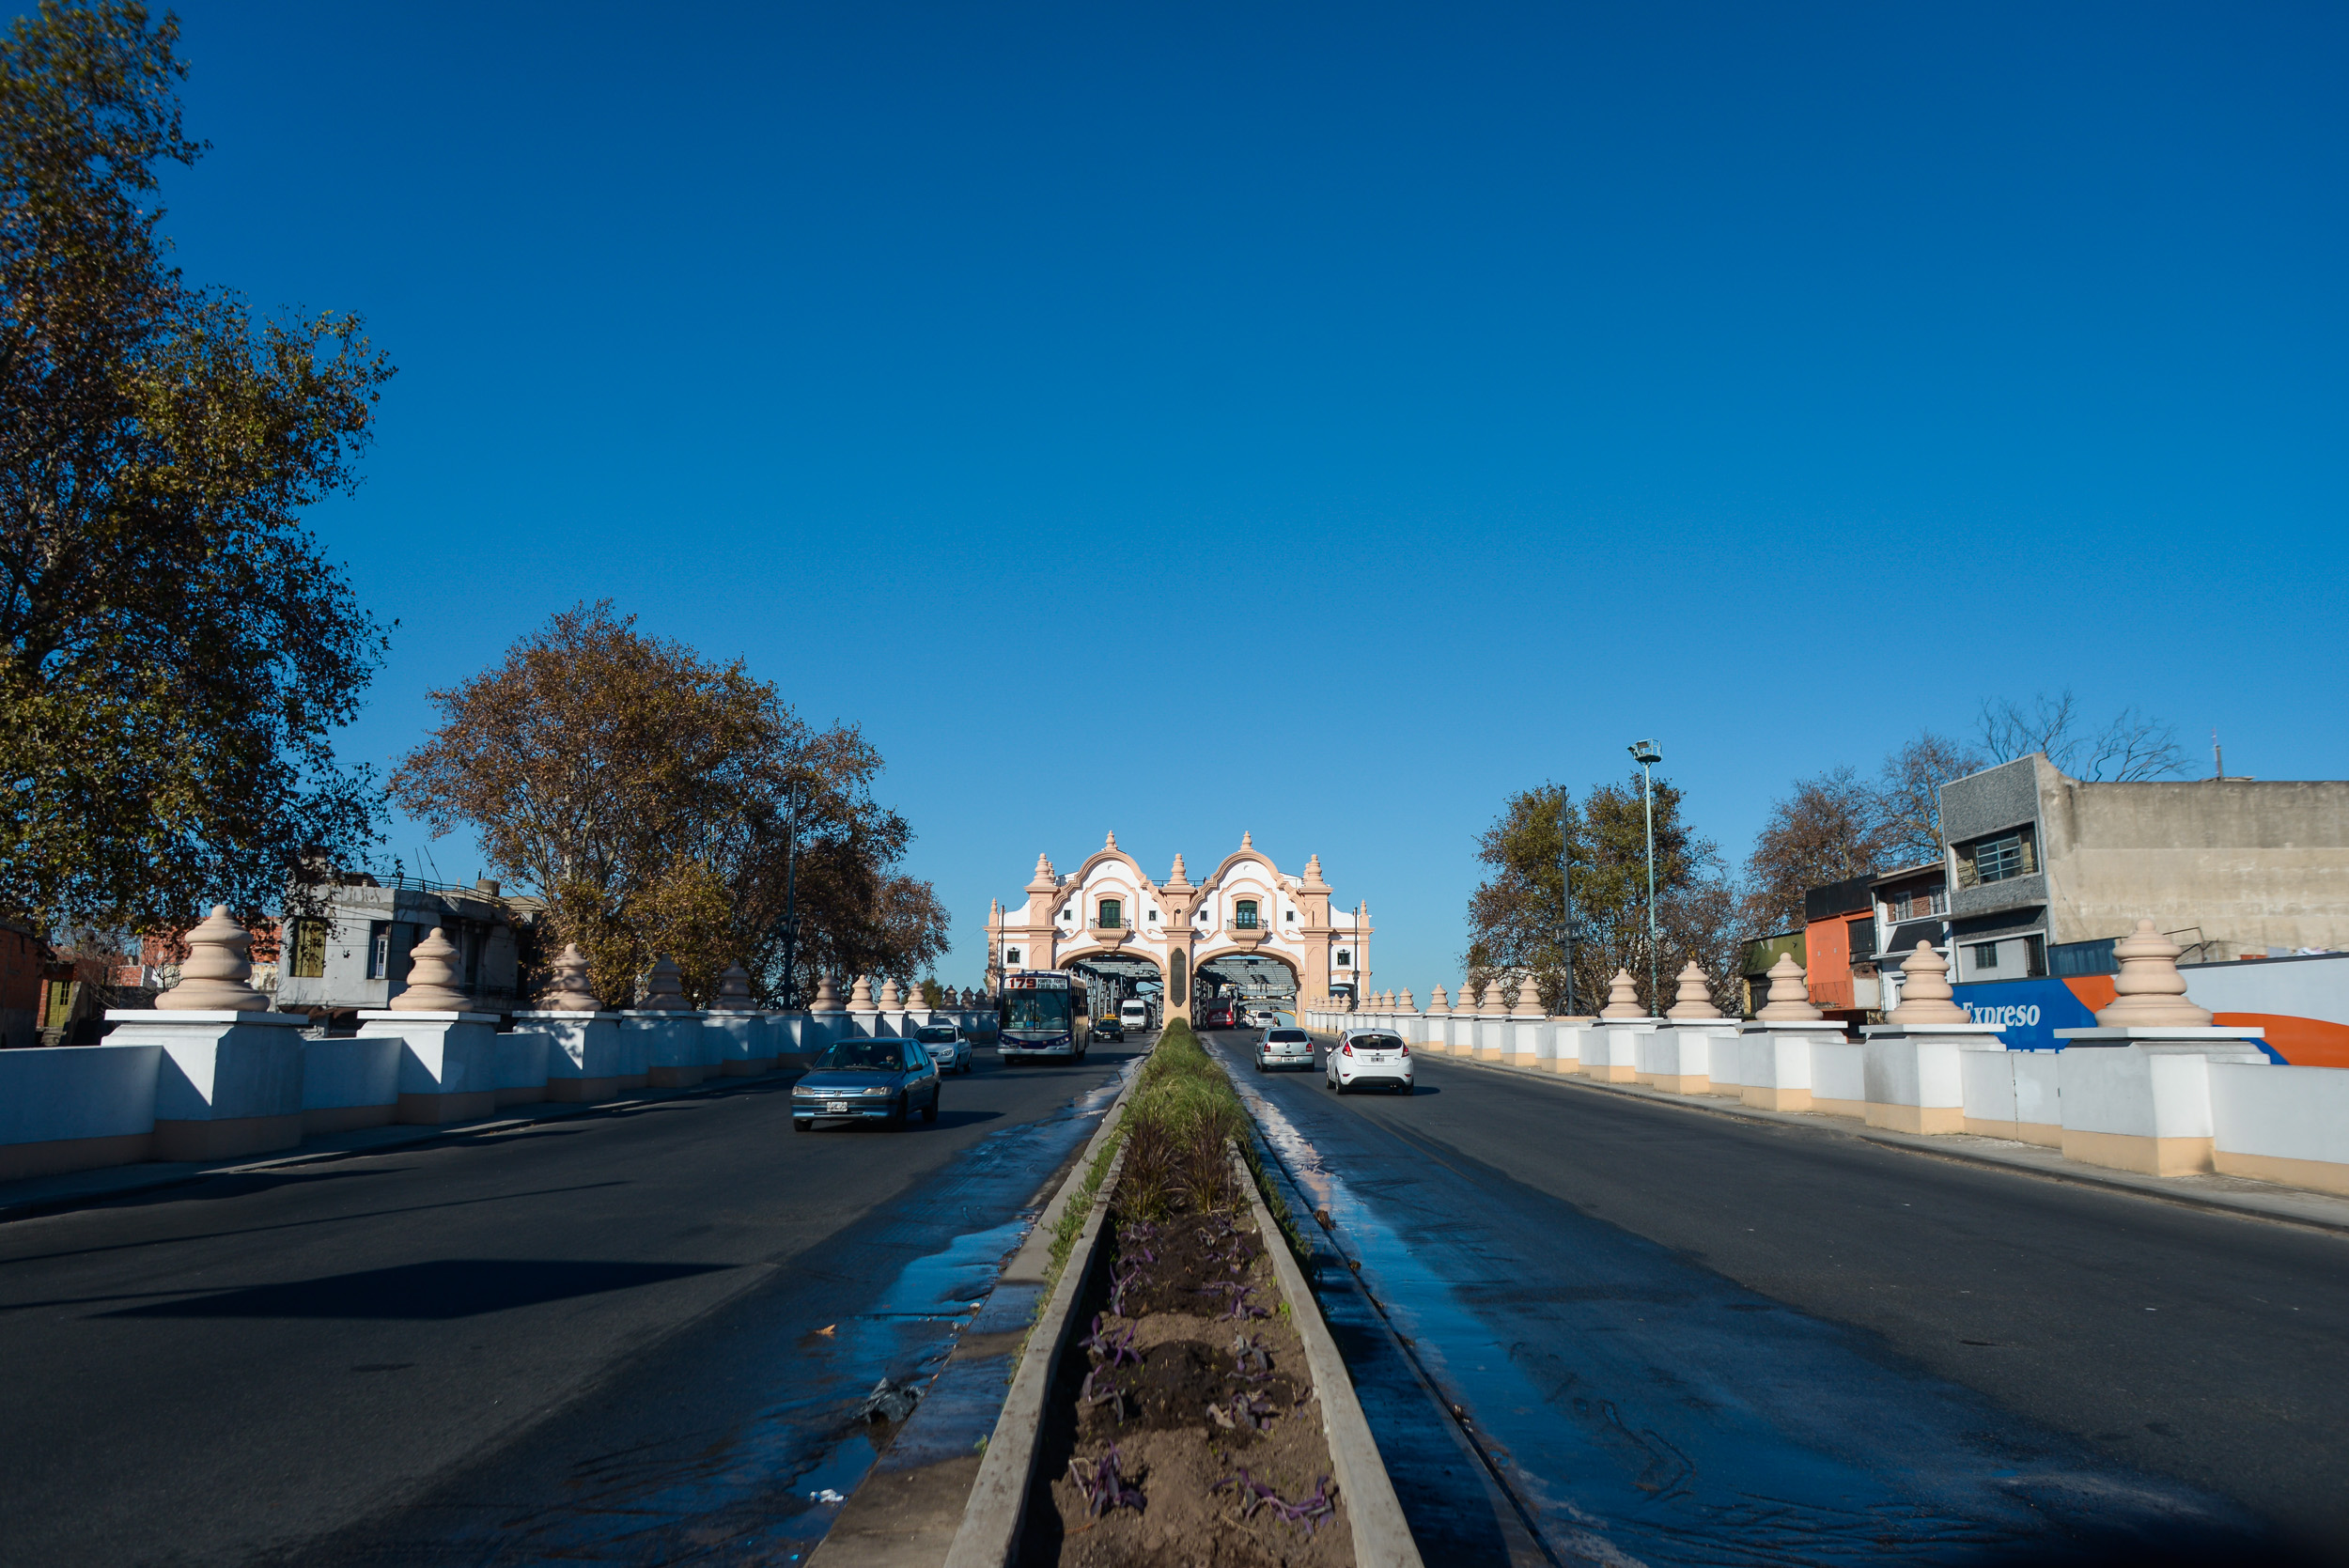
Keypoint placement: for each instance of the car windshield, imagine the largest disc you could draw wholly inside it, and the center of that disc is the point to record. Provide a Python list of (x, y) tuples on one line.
[(936, 1035), (1286, 1037), (872, 1056), (1377, 1042), (1035, 1010)]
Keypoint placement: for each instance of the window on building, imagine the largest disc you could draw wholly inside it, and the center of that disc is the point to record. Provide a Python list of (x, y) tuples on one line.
[(1995, 860), (1345, 958), (2035, 957), (1112, 913), (1985, 956), (1244, 914), (307, 953), (1154, 914), (1011, 957), (379, 951)]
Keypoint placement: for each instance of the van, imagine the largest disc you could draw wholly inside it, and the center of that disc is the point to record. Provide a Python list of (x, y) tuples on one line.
[(1134, 1014)]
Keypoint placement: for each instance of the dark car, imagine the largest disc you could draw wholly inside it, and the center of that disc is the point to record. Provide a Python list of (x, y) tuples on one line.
[(1220, 1016), (1108, 1029), (867, 1081)]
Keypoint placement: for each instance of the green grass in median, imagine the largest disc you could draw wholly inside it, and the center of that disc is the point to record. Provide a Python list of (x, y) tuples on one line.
[(1178, 1120)]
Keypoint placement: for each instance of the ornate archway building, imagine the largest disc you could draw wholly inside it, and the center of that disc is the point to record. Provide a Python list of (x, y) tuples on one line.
[(1248, 907)]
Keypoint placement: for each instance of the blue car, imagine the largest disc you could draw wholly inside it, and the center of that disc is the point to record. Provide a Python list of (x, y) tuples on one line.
[(867, 1081)]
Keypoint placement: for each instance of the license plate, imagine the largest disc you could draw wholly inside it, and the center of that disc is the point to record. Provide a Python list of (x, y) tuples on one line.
[(835, 1107)]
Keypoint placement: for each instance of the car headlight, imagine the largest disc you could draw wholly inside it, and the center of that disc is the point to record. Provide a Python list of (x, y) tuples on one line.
[(879, 1090)]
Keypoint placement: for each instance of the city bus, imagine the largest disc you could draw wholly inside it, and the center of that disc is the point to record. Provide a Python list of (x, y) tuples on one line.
[(1042, 1012)]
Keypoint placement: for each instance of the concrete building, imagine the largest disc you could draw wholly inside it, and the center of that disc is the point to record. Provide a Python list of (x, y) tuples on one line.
[(2045, 871), (356, 956)]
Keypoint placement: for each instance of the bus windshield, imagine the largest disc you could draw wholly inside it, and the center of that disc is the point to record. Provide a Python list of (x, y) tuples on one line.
[(1032, 1010)]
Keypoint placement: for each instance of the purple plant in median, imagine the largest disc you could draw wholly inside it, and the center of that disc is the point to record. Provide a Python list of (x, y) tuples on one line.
[(1103, 1487), (1114, 1348), (1308, 1511), (1237, 1307), (1255, 1361)]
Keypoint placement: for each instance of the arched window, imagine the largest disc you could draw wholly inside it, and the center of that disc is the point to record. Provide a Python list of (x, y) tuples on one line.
[(1244, 914)]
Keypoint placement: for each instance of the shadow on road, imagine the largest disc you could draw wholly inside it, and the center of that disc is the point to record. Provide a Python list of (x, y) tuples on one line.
[(444, 1288)]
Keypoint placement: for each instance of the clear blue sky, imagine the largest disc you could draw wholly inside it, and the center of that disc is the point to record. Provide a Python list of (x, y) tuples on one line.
[(1324, 420)]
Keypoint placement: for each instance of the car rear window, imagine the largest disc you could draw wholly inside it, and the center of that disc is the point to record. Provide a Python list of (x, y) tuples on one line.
[(1377, 1042), (1286, 1037)]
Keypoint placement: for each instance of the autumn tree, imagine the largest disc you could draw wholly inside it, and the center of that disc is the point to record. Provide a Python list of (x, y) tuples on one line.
[(176, 651), (1516, 916), (655, 799)]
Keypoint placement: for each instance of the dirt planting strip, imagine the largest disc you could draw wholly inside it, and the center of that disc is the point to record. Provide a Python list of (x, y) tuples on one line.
[(1181, 1428)]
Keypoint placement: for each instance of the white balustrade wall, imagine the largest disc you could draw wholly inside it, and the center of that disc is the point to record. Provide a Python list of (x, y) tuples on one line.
[(2154, 1106), (80, 1108)]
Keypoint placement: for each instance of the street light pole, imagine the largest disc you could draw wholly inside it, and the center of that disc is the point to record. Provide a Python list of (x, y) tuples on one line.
[(1647, 756)]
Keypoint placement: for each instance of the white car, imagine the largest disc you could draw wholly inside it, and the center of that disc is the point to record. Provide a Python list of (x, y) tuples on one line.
[(1368, 1059), (1262, 1017), (1285, 1047), (945, 1046)]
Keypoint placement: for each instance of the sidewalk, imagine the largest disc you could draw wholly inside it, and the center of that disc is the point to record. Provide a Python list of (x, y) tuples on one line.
[(35, 1195), (2232, 1194)]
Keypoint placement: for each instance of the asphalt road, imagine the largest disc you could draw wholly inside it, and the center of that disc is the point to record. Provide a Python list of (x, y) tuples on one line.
[(1694, 1338), (603, 1338)]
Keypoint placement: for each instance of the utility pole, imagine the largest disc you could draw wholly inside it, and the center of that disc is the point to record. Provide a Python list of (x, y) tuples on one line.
[(1647, 756)]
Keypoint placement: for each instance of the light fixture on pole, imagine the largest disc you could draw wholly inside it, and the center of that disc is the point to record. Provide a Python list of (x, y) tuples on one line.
[(1647, 756)]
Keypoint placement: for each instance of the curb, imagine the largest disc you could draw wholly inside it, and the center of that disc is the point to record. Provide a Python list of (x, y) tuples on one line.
[(2282, 1208), (1383, 1539), (988, 1536)]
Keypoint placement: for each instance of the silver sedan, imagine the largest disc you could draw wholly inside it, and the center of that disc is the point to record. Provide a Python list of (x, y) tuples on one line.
[(1285, 1047)]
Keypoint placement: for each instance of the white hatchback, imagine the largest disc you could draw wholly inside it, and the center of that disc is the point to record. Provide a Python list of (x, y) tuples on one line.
[(1368, 1059)]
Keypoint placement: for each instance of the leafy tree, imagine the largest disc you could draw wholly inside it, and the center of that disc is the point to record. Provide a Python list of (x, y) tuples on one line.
[(649, 796), (175, 649), (1515, 916)]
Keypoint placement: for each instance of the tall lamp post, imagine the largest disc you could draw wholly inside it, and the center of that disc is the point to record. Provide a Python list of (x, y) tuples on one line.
[(1647, 756)]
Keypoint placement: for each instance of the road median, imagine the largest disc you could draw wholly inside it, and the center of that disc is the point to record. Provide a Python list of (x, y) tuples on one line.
[(1179, 1381)]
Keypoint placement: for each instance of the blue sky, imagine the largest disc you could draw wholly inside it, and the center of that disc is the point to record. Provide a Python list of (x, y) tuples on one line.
[(1324, 420)]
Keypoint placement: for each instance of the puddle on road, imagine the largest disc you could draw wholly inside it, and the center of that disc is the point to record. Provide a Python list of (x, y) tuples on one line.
[(768, 1491), (1647, 1411)]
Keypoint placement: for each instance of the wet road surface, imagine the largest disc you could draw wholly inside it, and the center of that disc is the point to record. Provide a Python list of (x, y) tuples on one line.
[(1684, 1338), (596, 1340)]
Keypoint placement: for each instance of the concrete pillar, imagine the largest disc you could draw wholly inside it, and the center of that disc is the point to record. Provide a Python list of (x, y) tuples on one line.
[(447, 1062), (227, 1082), (584, 1056)]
